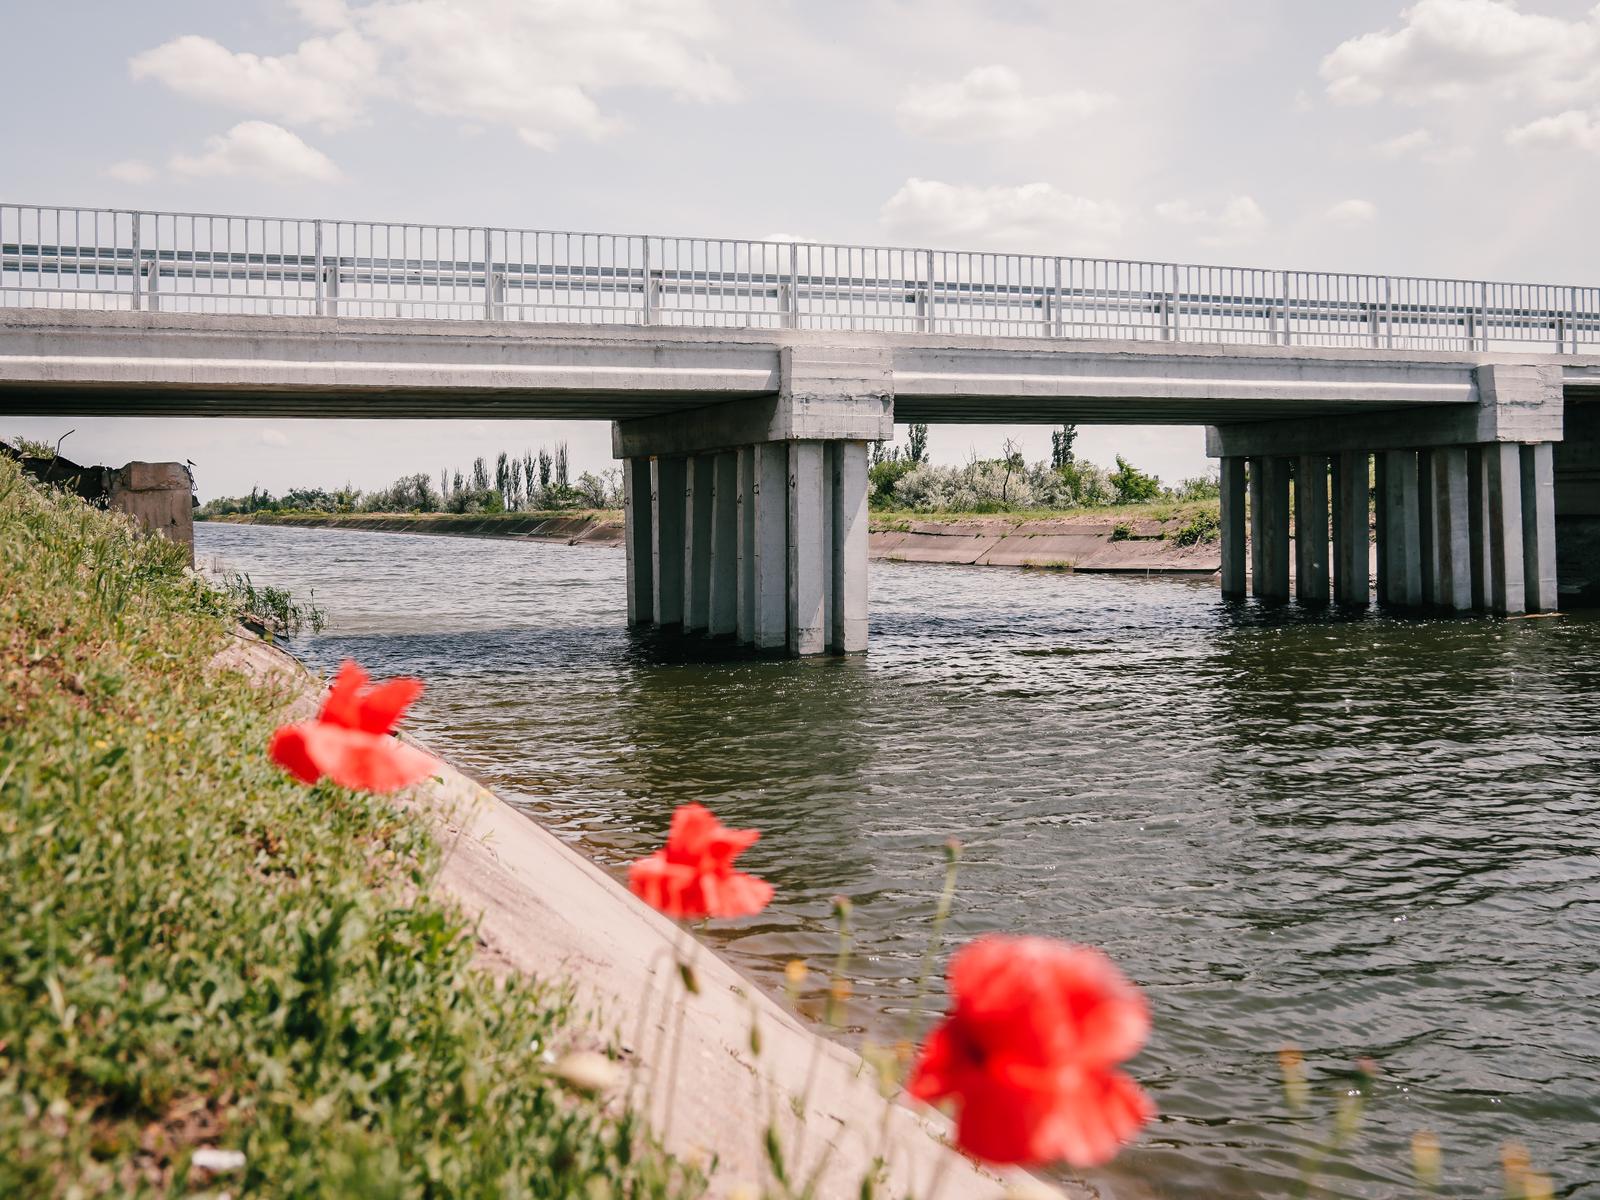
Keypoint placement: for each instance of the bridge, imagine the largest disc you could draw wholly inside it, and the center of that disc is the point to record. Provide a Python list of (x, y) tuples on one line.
[(745, 378)]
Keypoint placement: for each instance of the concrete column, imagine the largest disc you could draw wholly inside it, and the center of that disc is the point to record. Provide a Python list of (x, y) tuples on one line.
[(745, 506), (1311, 529), (1503, 463), (848, 629), (1539, 527), (1482, 566), (724, 574), (1274, 530), (1351, 554), (1402, 549), (1257, 472), (1452, 529), (1426, 542), (1233, 528), (697, 543), (637, 514), (1381, 525), (667, 485), (808, 557), (769, 602)]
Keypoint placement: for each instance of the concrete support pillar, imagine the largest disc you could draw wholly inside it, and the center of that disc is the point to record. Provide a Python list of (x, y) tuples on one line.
[(1381, 524), (769, 602), (809, 555), (724, 574), (1452, 529), (1539, 527), (667, 489), (1482, 565), (1351, 552), (637, 523), (697, 543), (1311, 529), (1233, 528), (1269, 527), (1503, 469), (1402, 534), (1427, 544), (848, 625), (745, 517)]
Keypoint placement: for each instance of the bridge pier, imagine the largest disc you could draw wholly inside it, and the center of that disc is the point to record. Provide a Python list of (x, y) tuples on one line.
[(1463, 501)]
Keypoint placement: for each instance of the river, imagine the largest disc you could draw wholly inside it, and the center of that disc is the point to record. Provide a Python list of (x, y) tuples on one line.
[(1366, 837)]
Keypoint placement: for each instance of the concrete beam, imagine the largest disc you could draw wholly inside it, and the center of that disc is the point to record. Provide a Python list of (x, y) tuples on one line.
[(698, 493), (770, 538), (1311, 529), (638, 522), (1272, 529), (848, 612), (1503, 470), (724, 574), (668, 485), (1452, 529), (1234, 541), (1402, 533), (1539, 528), (1352, 541), (745, 597), (809, 558)]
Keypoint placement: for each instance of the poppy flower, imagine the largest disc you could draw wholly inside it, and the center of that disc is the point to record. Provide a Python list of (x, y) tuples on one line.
[(1029, 1049), (350, 742), (693, 876)]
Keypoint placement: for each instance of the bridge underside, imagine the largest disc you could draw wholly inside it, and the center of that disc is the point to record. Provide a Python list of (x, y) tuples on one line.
[(745, 451)]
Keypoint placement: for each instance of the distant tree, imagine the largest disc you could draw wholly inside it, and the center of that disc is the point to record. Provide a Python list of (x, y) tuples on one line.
[(917, 447), (502, 473), (530, 479), (1133, 486), (480, 475), (561, 467), (457, 485), (1014, 464), (545, 462), (444, 483), (1061, 441)]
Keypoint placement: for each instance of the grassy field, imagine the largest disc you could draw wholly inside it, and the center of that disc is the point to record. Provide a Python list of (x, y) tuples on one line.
[(196, 951)]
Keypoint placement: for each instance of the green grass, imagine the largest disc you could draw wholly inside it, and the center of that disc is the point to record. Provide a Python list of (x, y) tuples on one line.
[(1159, 510), (356, 518), (197, 951)]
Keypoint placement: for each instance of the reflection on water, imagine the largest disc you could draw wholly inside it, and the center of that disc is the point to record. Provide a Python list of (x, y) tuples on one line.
[(1363, 837)]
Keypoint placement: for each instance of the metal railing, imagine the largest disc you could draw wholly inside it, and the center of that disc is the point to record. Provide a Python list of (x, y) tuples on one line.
[(193, 262)]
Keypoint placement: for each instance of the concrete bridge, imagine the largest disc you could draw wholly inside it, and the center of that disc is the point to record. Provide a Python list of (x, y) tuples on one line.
[(745, 380)]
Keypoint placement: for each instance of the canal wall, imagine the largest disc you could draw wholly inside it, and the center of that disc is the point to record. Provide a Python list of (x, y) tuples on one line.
[(540, 908), (1088, 543)]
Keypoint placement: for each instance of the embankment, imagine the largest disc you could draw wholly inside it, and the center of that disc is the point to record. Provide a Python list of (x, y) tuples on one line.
[(344, 993), (1089, 541)]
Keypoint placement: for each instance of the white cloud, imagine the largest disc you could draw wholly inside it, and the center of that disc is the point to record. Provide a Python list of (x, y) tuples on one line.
[(1352, 212), (274, 437), (325, 82), (534, 66), (1404, 145), (989, 104), (1238, 220), (131, 170), (1447, 49), (1031, 217), (1573, 128), (261, 150)]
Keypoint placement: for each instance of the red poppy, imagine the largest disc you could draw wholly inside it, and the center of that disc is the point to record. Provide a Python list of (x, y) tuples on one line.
[(1028, 1051), (693, 875), (350, 742)]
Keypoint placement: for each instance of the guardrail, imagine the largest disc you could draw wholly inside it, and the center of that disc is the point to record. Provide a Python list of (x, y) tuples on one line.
[(195, 262)]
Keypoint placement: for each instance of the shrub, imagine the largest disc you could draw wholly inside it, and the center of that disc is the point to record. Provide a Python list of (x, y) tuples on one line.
[(1133, 486)]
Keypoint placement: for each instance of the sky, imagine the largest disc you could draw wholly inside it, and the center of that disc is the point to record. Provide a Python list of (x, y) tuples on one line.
[(1449, 137)]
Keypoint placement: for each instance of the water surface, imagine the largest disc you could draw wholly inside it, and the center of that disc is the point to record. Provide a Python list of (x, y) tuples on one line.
[(1369, 837)]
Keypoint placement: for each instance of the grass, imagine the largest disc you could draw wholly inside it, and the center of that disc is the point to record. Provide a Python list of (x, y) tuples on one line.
[(356, 518), (196, 951), (1162, 510)]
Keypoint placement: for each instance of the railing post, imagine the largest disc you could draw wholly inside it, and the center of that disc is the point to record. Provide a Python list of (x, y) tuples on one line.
[(1388, 315), (1483, 319), (1169, 307), (791, 307), (927, 320), (154, 279), (1286, 338), (488, 276), (320, 307), (1059, 328), (138, 266), (648, 315)]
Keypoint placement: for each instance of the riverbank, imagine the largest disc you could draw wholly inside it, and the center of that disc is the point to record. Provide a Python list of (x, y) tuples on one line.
[(1133, 539), (200, 954)]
